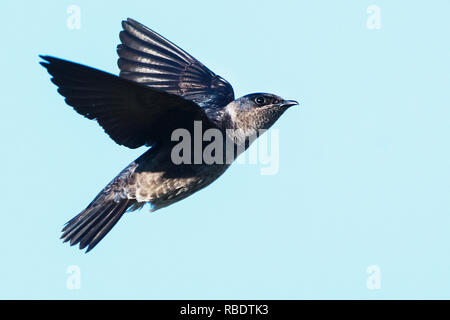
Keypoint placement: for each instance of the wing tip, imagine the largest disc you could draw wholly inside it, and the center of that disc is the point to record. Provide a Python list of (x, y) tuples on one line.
[(130, 22), (47, 57), (44, 64), (46, 60)]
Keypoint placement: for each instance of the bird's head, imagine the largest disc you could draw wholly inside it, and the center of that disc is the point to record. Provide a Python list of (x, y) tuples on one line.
[(257, 111)]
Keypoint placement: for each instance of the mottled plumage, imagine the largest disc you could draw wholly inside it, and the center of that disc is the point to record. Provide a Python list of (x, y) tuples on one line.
[(161, 88)]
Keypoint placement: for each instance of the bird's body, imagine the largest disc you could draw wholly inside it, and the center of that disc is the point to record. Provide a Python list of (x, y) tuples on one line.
[(154, 179), (160, 91)]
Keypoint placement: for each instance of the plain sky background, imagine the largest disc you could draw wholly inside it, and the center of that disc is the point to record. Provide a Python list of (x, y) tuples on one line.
[(364, 176)]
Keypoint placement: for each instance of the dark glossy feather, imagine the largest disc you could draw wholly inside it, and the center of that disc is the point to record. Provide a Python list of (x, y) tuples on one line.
[(148, 58), (130, 113), (91, 225)]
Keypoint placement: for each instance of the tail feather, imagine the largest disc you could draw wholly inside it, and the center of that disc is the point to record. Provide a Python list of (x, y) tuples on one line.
[(93, 223), (95, 235), (89, 223)]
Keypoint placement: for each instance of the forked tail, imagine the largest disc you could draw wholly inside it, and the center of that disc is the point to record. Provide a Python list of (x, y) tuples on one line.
[(94, 222)]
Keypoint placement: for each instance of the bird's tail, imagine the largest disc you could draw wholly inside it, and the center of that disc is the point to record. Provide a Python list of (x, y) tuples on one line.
[(94, 222)]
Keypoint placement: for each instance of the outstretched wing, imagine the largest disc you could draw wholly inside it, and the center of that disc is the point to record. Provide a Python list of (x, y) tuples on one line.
[(130, 113), (148, 58)]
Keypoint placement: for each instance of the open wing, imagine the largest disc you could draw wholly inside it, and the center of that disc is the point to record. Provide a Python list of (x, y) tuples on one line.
[(148, 58), (130, 113)]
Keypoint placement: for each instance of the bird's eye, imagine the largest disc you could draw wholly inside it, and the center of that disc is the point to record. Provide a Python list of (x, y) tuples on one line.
[(260, 100)]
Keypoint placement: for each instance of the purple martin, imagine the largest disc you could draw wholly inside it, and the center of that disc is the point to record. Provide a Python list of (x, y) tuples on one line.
[(161, 88)]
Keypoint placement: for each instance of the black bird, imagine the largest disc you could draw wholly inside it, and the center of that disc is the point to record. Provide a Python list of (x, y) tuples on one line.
[(161, 88)]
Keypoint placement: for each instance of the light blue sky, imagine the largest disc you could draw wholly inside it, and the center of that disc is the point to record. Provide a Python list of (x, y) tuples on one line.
[(364, 176)]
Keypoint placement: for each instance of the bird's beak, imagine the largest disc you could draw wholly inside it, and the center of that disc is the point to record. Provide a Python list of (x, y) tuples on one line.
[(289, 103)]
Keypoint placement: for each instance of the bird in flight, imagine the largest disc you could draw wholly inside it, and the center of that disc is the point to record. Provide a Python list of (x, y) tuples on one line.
[(160, 89)]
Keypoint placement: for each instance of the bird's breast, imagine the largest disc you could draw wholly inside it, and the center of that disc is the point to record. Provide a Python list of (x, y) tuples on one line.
[(161, 188)]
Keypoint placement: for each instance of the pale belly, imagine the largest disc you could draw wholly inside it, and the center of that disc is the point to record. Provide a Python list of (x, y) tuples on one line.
[(160, 189)]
